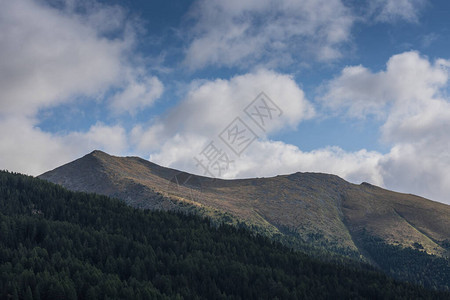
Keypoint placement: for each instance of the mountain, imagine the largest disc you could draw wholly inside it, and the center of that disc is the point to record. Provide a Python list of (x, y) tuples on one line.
[(315, 209), (310, 204), (58, 244)]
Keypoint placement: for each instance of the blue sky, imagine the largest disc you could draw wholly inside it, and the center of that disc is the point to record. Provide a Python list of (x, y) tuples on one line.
[(362, 86)]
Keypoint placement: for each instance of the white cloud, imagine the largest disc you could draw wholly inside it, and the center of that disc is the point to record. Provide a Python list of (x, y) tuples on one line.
[(137, 94), (230, 33), (112, 139), (50, 55), (412, 94), (269, 158), (210, 106), (266, 158), (279, 33), (408, 77), (356, 91), (27, 149), (46, 57), (419, 168)]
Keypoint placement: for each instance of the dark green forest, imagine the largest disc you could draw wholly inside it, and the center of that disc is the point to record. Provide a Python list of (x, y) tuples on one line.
[(408, 264), (57, 244)]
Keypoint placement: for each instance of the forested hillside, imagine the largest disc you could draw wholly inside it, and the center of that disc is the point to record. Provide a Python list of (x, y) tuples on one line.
[(57, 244)]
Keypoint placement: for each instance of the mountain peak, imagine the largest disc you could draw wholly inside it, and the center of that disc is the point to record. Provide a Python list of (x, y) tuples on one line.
[(98, 152)]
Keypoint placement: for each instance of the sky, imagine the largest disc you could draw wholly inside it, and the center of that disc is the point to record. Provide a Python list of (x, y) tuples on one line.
[(232, 89)]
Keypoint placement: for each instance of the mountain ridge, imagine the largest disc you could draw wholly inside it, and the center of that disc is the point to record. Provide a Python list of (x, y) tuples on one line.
[(319, 208)]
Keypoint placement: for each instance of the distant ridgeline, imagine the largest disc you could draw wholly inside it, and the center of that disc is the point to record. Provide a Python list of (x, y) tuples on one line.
[(57, 244)]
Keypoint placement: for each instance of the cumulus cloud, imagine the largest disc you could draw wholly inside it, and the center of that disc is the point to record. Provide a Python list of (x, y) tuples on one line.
[(408, 77), (49, 56), (269, 158), (112, 139), (27, 149), (278, 33), (230, 33), (137, 94), (412, 94), (210, 106), (55, 53), (357, 92), (419, 168)]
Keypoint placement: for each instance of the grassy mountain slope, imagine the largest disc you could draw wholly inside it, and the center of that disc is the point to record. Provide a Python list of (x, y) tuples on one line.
[(318, 208), (398, 219)]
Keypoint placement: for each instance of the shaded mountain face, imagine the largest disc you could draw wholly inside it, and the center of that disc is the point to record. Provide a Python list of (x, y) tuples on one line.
[(318, 208)]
